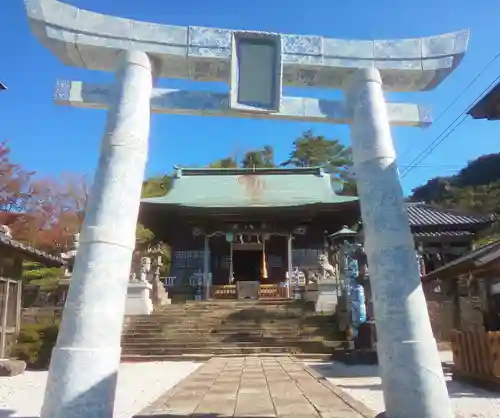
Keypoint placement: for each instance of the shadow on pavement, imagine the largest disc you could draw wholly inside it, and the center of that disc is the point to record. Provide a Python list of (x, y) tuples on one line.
[(335, 370)]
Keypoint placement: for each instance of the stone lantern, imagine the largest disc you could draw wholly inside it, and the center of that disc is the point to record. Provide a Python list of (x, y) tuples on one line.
[(159, 294)]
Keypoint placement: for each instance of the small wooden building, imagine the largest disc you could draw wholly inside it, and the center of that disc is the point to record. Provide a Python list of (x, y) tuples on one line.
[(472, 284), (12, 255), (257, 225), (442, 236)]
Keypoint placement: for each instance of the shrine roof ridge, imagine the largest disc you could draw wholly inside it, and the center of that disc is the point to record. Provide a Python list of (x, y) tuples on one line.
[(91, 40), (250, 188), (241, 171)]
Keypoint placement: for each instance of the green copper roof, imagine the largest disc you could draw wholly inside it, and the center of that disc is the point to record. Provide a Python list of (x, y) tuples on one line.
[(238, 188)]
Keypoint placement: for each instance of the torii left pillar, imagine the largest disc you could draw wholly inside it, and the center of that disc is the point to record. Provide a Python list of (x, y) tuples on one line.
[(90, 332)]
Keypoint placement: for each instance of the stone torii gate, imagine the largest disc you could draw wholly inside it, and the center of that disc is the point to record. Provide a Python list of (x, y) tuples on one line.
[(83, 370)]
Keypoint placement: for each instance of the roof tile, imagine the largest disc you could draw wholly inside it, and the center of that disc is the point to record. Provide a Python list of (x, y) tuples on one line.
[(212, 188), (420, 214), (30, 252)]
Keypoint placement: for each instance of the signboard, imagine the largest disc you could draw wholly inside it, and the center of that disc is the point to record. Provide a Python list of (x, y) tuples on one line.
[(256, 72)]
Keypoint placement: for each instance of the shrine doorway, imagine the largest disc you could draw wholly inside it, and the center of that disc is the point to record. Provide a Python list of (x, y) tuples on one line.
[(247, 265)]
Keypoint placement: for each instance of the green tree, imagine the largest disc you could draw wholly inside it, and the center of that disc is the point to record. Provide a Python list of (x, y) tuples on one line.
[(259, 158), (156, 186), (311, 150), (228, 162), (474, 189), (145, 238)]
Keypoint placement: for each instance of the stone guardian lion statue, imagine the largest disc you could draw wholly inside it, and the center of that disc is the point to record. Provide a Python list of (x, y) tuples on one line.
[(327, 270)]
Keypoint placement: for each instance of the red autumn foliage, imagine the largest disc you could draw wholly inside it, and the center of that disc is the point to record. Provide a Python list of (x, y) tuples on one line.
[(47, 211), (15, 183)]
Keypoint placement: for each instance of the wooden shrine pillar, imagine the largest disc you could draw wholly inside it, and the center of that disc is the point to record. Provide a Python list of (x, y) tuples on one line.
[(14, 278), (206, 267), (289, 265), (456, 311), (231, 266)]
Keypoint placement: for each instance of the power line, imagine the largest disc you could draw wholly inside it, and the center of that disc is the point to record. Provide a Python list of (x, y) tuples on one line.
[(433, 166), (442, 137), (478, 75), (433, 145)]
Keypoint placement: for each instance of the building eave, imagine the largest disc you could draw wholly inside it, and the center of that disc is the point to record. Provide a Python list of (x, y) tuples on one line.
[(471, 260), (488, 107), (30, 252)]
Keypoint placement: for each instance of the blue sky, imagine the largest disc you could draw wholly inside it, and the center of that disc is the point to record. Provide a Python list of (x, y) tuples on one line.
[(51, 139)]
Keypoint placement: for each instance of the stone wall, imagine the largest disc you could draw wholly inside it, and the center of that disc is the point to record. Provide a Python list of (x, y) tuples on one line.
[(41, 315), (440, 307)]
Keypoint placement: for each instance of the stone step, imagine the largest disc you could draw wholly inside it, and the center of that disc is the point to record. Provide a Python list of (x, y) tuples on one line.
[(220, 326), (221, 318), (304, 344), (217, 325), (131, 358), (263, 341), (209, 350), (214, 333), (244, 302), (225, 308), (134, 358), (200, 330), (215, 337), (217, 317)]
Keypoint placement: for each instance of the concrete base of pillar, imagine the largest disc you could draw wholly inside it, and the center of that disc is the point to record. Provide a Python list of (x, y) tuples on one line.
[(327, 298), (138, 299), (159, 295)]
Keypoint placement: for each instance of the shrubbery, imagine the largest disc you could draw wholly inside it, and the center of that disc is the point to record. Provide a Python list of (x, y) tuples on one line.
[(34, 344)]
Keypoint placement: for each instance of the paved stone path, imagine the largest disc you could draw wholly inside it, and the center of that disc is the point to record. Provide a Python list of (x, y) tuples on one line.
[(255, 387)]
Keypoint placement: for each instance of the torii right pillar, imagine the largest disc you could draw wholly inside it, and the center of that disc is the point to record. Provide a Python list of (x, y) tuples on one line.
[(412, 376)]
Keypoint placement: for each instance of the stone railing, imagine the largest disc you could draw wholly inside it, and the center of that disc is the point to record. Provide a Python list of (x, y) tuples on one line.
[(266, 291), (170, 281), (226, 291)]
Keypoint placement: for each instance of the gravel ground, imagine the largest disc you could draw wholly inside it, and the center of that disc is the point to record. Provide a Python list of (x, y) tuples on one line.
[(363, 383), (139, 384)]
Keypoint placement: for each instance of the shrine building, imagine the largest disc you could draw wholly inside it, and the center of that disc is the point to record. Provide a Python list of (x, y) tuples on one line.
[(257, 225)]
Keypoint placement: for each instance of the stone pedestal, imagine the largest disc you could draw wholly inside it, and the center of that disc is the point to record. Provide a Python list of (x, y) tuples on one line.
[(138, 300), (159, 294), (311, 293), (248, 290), (327, 297)]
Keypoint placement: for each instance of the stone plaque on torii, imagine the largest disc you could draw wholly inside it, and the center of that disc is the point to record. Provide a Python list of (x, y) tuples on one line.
[(82, 376)]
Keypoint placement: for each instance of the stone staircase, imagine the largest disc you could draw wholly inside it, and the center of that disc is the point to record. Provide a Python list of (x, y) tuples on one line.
[(200, 330)]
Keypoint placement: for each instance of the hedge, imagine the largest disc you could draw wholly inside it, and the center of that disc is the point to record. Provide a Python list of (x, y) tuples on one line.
[(34, 344)]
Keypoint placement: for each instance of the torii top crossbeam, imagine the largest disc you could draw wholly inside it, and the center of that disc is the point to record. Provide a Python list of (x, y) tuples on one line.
[(91, 40)]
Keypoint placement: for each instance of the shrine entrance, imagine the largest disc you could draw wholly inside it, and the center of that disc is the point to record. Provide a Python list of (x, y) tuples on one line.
[(247, 265)]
